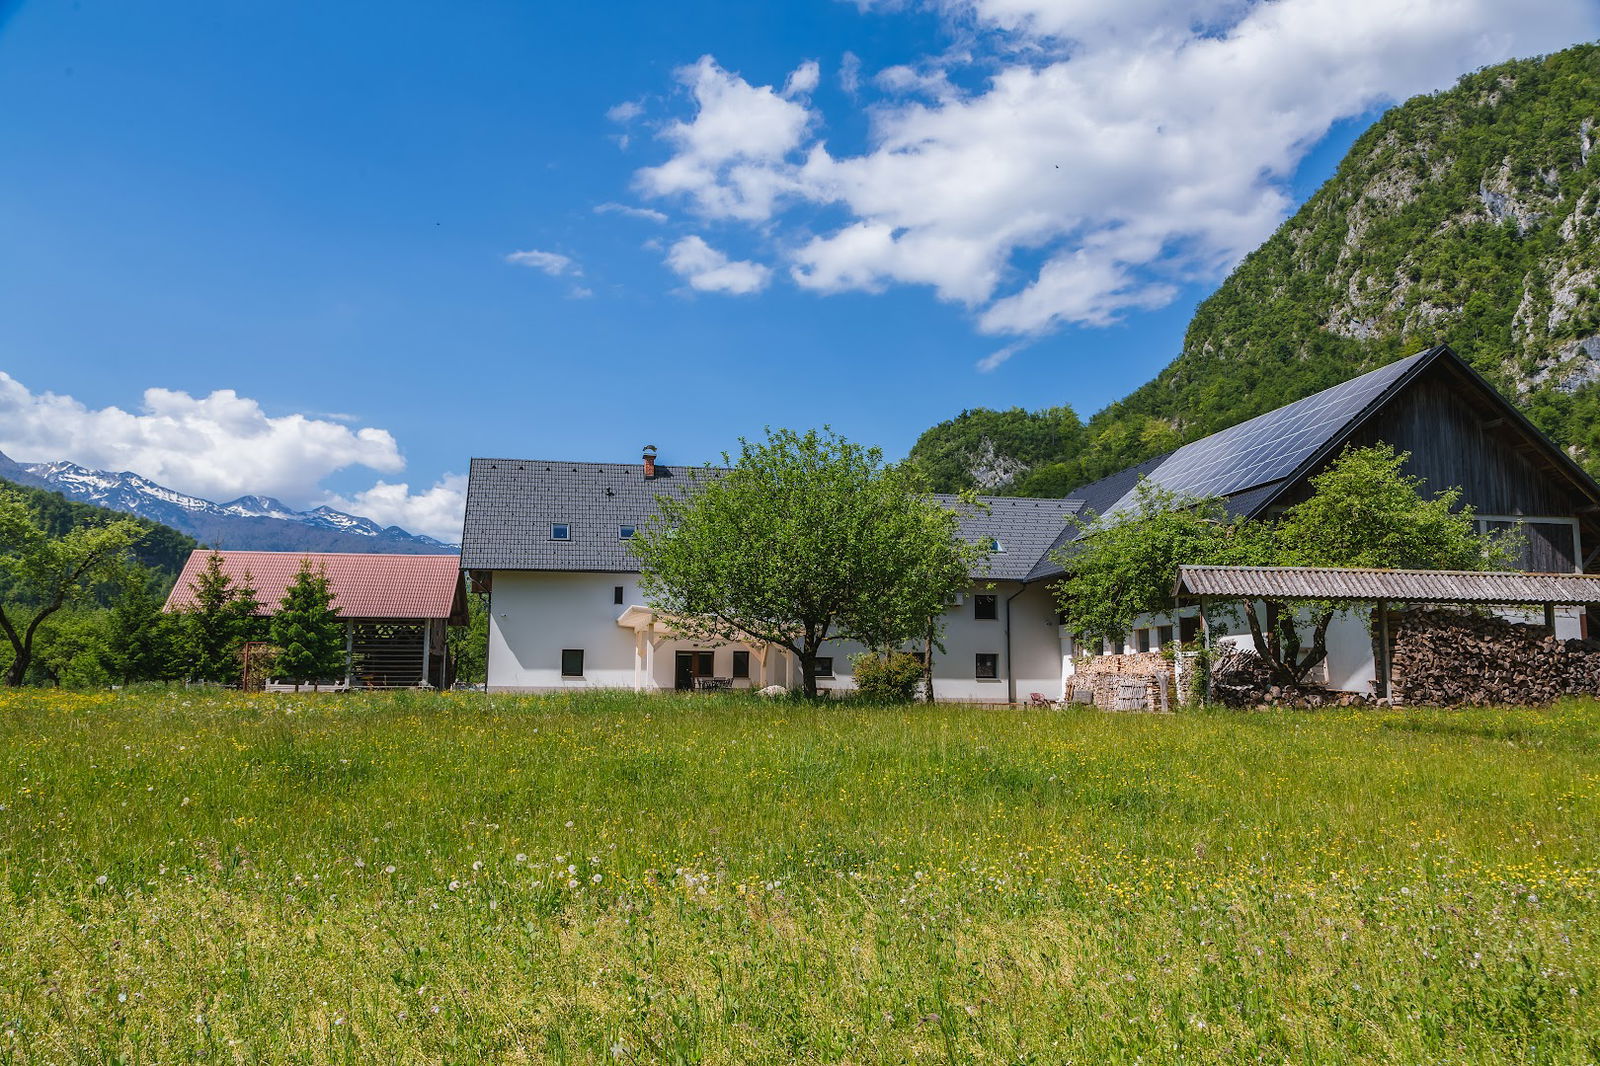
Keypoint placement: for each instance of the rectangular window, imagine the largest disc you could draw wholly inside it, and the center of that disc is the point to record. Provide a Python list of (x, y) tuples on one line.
[(824, 666), (987, 666), (985, 607), (1163, 635), (1143, 636), (624, 532), (741, 664), (616, 594), (572, 662), (560, 531), (1119, 646)]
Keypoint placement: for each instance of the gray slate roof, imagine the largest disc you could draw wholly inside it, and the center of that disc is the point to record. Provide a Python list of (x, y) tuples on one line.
[(511, 503)]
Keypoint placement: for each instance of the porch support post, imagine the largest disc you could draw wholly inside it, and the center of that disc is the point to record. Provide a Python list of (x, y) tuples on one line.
[(638, 659), (427, 650), (650, 657), (1550, 618), (349, 654), (1383, 648), (1205, 635)]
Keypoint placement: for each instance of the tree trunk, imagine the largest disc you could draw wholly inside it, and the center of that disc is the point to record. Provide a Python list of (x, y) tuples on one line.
[(808, 673), (927, 663)]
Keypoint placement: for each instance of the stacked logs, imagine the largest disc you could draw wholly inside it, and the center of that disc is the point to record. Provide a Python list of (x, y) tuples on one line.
[(1241, 678), (1453, 658)]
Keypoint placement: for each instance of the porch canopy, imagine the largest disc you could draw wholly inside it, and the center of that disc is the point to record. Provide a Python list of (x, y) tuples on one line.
[(651, 627), (1499, 588)]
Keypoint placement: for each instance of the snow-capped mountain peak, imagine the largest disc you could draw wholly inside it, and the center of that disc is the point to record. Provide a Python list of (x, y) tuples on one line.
[(235, 524)]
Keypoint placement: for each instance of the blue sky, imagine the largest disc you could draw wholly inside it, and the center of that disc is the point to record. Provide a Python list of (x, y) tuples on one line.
[(299, 223)]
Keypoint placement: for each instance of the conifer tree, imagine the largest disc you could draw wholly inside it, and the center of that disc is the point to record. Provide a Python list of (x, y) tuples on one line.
[(221, 617), (141, 641), (307, 629)]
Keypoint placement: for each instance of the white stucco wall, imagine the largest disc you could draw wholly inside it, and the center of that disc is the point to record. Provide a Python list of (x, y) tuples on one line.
[(534, 615)]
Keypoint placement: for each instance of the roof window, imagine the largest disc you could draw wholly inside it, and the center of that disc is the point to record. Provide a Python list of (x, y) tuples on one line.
[(560, 531), (625, 532)]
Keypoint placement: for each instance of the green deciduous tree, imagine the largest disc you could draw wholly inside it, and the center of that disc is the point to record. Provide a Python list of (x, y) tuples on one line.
[(1363, 511), (469, 644), (220, 617), (307, 629), (807, 538), (47, 573)]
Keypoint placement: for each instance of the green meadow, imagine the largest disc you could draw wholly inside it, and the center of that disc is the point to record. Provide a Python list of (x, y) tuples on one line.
[(198, 876)]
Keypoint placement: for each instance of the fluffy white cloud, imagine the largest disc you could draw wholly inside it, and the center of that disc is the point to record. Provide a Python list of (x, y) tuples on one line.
[(729, 160), (553, 263), (435, 511), (708, 270), (218, 446), (1113, 150)]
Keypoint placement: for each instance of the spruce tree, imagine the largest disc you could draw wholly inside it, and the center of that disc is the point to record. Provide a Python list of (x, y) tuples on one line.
[(140, 639), (307, 629), (220, 618)]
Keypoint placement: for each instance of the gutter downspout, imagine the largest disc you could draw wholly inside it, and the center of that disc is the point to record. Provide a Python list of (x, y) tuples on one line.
[(1011, 673)]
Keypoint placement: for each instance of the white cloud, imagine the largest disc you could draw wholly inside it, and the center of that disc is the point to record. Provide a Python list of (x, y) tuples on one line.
[(625, 112), (708, 270), (435, 511), (1112, 150), (629, 211), (553, 263), (803, 80), (850, 73), (730, 160), (219, 446)]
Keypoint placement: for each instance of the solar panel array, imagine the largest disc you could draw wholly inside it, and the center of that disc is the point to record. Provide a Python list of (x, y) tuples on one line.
[(1272, 446)]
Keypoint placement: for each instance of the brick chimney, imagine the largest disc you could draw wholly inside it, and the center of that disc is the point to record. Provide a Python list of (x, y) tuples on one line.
[(649, 461)]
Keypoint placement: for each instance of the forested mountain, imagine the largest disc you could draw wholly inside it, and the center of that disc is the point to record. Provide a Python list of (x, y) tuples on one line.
[(1469, 217), (162, 549)]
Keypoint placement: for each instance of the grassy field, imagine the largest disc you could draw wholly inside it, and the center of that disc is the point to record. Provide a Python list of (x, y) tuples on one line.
[(422, 878)]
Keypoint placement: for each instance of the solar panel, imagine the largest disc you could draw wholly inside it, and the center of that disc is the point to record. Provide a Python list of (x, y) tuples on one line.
[(1272, 446)]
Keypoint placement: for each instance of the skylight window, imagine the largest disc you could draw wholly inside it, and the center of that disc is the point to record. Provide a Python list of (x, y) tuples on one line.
[(995, 545), (625, 532), (560, 531)]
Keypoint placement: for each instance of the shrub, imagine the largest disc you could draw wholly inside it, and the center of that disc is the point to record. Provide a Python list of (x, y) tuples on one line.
[(891, 678)]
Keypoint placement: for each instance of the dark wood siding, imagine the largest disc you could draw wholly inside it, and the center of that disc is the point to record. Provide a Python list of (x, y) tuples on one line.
[(1460, 437)]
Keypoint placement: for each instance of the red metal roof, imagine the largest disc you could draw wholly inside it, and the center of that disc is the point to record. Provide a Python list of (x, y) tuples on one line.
[(364, 586)]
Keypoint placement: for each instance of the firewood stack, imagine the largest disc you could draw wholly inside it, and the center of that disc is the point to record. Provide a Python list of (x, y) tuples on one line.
[(1455, 658), (1240, 678)]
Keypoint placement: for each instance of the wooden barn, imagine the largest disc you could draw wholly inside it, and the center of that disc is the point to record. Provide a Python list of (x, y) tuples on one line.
[(396, 607)]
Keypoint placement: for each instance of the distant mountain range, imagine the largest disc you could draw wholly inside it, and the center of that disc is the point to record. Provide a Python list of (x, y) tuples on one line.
[(258, 523)]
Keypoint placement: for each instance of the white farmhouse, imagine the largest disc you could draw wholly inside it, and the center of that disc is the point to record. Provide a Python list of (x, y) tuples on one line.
[(550, 540)]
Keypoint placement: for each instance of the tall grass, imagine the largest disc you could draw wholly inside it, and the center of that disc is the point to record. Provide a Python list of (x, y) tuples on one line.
[(431, 878)]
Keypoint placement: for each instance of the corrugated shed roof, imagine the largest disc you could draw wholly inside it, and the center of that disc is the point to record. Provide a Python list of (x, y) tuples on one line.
[(364, 585), (1412, 586)]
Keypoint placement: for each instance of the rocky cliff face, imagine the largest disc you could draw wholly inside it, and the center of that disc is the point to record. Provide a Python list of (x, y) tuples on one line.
[(1470, 217)]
